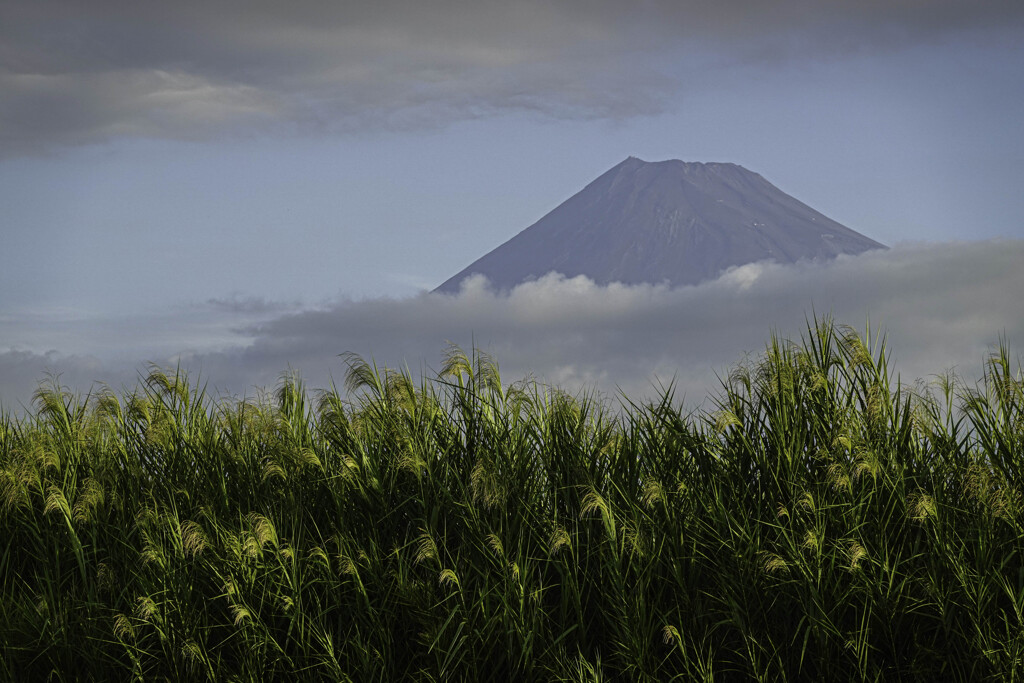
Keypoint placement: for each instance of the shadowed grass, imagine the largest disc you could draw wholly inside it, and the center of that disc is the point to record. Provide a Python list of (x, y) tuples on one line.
[(822, 522)]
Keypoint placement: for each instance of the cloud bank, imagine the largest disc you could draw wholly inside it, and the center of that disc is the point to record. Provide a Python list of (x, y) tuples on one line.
[(941, 306), (76, 73)]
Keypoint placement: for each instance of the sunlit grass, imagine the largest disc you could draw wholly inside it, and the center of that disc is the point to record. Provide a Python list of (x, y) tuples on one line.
[(821, 523)]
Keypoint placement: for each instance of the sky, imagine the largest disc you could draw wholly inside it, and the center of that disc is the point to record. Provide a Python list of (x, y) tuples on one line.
[(248, 187)]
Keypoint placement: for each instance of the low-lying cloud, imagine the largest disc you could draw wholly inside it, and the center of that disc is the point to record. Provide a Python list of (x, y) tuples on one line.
[(941, 306), (76, 73)]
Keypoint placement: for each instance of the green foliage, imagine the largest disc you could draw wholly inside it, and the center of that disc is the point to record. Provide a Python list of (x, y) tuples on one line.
[(820, 523)]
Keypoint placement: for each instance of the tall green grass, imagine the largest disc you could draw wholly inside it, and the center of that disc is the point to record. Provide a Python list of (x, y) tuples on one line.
[(822, 522)]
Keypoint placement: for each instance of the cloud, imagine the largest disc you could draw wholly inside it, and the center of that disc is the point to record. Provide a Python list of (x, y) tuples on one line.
[(237, 304), (75, 73), (941, 306), (21, 373)]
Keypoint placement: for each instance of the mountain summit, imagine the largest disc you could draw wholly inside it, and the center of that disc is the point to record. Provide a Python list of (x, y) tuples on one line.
[(666, 221)]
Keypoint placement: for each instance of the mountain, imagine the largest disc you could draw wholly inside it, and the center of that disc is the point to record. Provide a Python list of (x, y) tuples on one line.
[(667, 221)]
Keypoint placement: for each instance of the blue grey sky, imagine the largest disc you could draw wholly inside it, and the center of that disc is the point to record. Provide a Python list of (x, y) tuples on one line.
[(174, 175)]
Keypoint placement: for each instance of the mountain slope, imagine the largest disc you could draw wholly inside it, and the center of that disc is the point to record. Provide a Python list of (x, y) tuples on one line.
[(668, 221)]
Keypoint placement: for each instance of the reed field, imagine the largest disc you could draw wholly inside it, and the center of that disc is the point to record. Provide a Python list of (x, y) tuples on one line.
[(822, 522)]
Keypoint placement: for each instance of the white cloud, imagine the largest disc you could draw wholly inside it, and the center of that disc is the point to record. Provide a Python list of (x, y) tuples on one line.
[(942, 306)]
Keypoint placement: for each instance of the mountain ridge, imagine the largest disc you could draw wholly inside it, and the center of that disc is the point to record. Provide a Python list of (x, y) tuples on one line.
[(666, 221)]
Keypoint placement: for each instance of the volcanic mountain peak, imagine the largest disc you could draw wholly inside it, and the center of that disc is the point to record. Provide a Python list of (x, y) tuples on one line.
[(668, 221)]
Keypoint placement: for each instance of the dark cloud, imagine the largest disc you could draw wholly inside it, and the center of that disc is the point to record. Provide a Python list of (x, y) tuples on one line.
[(941, 306), (244, 305), (21, 373), (73, 72)]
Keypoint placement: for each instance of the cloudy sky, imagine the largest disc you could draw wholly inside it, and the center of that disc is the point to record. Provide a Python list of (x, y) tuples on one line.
[(252, 185)]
